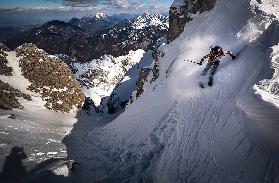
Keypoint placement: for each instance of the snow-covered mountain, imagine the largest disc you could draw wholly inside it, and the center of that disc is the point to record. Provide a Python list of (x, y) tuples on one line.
[(117, 37), (95, 22), (100, 21), (150, 20)]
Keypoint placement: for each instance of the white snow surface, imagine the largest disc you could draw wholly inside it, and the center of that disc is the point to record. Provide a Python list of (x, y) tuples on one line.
[(177, 132)]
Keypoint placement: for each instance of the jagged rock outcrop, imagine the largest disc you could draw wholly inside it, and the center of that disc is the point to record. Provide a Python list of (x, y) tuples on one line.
[(180, 13), (9, 97), (142, 79), (30, 68), (4, 69), (50, 77), (156, 54), (152, 70)]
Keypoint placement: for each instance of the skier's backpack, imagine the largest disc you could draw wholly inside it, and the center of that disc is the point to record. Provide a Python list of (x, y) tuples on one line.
[(216, 49)]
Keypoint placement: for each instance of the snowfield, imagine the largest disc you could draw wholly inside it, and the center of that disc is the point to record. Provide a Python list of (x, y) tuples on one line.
[(177, 132)]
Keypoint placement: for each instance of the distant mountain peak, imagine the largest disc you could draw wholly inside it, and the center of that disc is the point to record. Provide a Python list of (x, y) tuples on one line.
[(150, 19), (100, 15)]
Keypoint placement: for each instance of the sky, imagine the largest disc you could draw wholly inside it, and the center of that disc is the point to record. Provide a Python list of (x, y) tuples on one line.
[(23, 12), (28, 4), (81, 5)]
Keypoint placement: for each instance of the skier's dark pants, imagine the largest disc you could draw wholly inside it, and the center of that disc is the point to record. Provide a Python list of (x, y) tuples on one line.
[(213, 68)]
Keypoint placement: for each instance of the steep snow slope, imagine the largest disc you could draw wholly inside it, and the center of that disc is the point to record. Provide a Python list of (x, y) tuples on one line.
[(177, 132)]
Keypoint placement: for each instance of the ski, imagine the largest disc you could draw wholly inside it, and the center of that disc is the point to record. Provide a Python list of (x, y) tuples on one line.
[(192, 62)]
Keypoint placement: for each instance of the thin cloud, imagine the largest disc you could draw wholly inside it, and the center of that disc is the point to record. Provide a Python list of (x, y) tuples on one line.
[(109, 6), (83, 3), (34, 9), (8, 10), (108, 3)]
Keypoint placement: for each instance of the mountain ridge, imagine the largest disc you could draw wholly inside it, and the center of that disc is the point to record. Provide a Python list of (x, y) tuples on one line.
[(57, 37)]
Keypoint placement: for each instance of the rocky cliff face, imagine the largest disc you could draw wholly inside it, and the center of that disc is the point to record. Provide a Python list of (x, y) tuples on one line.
[(180, 13), (4, 69), (151, 73), (29, 71)]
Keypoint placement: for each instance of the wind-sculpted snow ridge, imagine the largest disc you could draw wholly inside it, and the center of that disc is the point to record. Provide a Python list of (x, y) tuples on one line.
[(177, 132), (269, 88)]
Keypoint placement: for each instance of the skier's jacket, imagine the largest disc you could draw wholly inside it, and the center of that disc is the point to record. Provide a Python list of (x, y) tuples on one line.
[(215, 56)]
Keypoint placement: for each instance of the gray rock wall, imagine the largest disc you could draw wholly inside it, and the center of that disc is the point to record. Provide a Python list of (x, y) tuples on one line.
[(179, 14)]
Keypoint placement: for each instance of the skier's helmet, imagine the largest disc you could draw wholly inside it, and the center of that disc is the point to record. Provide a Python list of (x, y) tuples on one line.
[(216, 49)]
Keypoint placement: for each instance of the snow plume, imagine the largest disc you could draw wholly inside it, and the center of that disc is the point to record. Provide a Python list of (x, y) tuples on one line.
[(187, 72), (253, 29)]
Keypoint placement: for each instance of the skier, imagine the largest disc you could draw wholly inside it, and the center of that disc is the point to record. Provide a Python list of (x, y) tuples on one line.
[(214, 58)]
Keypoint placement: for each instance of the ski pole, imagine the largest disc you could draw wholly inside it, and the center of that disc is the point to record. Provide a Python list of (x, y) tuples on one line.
[(193, 62)]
